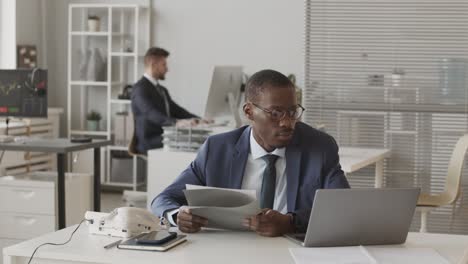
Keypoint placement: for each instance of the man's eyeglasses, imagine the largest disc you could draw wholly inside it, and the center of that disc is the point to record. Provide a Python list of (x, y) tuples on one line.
[(278, 115)]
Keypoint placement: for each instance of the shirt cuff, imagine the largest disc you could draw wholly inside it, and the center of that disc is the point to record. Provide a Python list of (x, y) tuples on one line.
[(169, 215)]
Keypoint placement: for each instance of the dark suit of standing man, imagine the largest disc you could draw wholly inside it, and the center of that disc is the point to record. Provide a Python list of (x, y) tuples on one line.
[(284, 160), (152, 106)]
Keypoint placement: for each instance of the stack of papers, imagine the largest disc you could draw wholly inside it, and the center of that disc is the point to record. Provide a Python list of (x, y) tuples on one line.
[(224, 208), (366, 255), (186, 139)]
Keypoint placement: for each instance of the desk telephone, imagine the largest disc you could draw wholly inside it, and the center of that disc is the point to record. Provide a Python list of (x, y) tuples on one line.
[(124, 222)]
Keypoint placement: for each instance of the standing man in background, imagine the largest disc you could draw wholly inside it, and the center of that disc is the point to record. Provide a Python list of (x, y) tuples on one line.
[(152, 106)]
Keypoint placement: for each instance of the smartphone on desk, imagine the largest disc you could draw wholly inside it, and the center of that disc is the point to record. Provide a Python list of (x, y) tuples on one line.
[(157, 244), (156, 237)]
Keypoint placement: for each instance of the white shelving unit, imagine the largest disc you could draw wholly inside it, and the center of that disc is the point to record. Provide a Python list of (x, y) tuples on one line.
[(401, 126), (124, 33)]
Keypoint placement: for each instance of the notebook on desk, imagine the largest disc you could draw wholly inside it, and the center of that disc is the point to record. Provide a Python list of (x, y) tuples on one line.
[(353, 217)]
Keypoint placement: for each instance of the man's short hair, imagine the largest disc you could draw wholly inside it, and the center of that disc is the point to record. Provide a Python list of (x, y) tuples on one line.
[(155, 52), (265, 79)]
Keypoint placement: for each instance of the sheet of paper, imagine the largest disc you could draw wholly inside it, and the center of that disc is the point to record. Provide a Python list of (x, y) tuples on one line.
[(224, 208), (251, 193), (403, 255), (330, 255)]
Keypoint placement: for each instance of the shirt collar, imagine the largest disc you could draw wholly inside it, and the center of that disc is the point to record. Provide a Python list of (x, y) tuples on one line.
[(151, 79), (258, 151)]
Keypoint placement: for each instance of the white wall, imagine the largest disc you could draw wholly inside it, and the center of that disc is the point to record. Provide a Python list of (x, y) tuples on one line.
[(201, 34), (29, 26), (7, 34), (20, 24)]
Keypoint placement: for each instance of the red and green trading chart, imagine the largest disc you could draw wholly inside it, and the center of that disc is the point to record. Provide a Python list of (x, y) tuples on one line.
[(23, 93)]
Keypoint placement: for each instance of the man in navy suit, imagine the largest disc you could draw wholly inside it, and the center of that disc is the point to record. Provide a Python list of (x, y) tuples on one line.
[(283, 159), (152, 106)]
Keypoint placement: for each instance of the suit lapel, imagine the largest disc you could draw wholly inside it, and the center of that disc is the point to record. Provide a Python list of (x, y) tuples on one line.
[(158, 96), (239, 159), (293, 165), (151, 89)]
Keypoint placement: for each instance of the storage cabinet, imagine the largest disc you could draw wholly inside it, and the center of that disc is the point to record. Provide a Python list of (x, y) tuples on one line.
[(28, 204)]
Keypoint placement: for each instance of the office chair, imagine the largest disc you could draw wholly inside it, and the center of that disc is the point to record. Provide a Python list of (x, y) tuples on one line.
[(132, 148), (133, 152), (428, 202)]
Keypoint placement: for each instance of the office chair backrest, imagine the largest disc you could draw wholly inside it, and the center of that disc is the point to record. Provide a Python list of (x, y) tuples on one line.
[(132, 145), (454, 172)]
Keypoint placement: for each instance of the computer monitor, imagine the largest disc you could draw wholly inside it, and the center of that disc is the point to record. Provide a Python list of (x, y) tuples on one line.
[(224, 94), (23, 93)]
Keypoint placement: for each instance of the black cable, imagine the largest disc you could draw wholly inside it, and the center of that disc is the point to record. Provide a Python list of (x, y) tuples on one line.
[(7, 122), (6, 133), (56, 244)]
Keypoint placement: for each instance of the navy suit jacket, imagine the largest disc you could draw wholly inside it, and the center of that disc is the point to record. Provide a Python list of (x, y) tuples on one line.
[(150, 114), (312, 163)]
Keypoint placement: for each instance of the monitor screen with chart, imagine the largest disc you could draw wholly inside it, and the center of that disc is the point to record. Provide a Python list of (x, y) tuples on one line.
[(224, 95), (23, 93)]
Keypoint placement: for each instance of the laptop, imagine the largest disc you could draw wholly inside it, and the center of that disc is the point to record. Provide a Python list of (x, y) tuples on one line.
[(352, 217)]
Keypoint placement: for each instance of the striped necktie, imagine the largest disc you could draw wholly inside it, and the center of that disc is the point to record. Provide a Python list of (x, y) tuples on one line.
[(160, 90)]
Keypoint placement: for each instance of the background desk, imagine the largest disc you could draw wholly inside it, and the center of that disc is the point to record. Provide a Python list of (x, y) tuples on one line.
[(165, 166), (353, 159), (208, 246), (61, 146)]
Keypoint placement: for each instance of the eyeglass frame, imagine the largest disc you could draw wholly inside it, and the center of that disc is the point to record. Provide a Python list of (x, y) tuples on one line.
[(269, 112)]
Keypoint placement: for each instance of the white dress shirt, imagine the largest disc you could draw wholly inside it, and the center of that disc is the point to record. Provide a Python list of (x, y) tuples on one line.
[(253, 176), (160, 91), (151, 79), (253, 173)]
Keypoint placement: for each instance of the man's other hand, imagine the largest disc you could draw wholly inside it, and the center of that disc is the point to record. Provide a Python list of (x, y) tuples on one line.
[(206, 121), (189, 223), (270, 223), (184, 123)]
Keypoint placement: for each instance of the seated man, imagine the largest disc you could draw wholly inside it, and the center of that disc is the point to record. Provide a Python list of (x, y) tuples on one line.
[(284, 160), (152, 106)]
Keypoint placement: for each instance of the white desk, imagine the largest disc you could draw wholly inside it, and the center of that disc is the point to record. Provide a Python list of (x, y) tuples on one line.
[(353, 159), (208, 246)]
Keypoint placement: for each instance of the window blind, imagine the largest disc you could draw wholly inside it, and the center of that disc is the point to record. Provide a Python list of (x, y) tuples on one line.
[(393, 74)]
